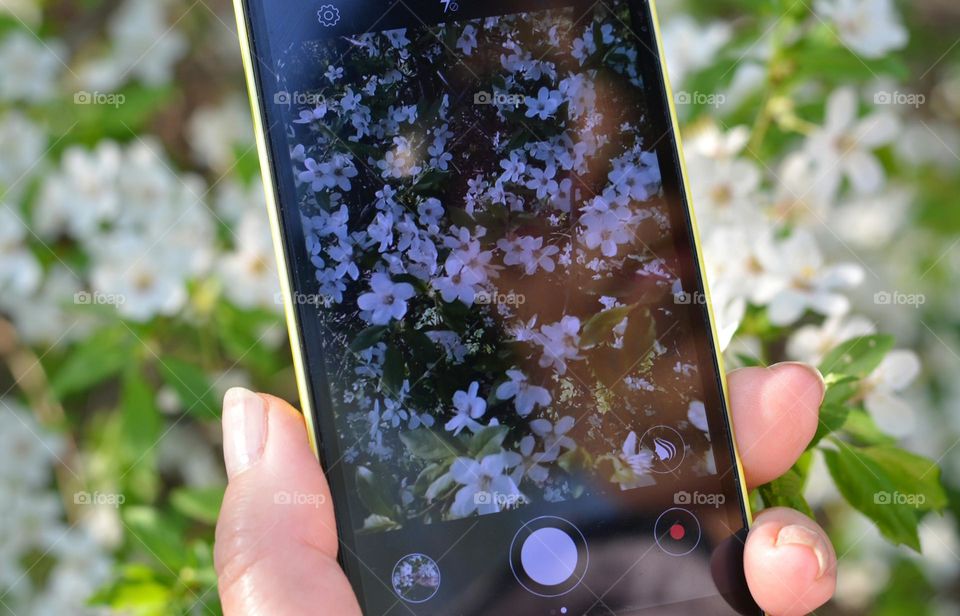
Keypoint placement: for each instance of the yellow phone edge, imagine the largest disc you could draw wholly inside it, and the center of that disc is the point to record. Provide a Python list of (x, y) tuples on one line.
[(698, 252), (273, 211)]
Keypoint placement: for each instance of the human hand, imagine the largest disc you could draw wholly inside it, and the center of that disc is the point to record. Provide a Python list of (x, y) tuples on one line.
[(277, 561)]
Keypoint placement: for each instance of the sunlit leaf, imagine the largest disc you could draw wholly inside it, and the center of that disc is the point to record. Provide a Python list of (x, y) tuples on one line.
[(192, 387), (599, 326), (888, 485), (368, 337), (372, 493), (430, 445)]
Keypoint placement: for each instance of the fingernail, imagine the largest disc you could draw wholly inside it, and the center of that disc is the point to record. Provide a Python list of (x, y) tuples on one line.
[(796, 534), (811, 369), (244, 429)]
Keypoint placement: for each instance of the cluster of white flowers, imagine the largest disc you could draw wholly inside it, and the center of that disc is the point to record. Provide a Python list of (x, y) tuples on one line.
[(94, 232), (32, 68), (142, 46), (820, 238), (407, 244), (870, 28), (764, 229), (32, 527), (143, 255), (147, 231), (803, 234)]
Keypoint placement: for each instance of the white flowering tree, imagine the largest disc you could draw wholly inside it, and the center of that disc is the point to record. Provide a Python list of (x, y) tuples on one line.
[(802, 141), (137, 280)]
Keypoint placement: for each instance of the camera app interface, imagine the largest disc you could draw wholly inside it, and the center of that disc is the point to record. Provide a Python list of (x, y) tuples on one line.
[(513, 372)]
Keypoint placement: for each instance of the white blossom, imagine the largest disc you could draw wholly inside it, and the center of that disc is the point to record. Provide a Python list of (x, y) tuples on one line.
[(486, 486), (468, 407), (881, 389), (811, 343), (554, 435), (843, 146), (31, 67), (800, 280), (870, 28), (525, 396), (386, 301), (561, 342)]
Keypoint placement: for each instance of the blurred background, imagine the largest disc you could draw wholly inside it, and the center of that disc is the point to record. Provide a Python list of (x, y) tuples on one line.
[(137, 281)]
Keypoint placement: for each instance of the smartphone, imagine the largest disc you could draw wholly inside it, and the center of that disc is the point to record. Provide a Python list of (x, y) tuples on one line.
[(499, 319)]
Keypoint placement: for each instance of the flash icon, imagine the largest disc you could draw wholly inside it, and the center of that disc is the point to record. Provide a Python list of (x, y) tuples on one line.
[(450, 6)]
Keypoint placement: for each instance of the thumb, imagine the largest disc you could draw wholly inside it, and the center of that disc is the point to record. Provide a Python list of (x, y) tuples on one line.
[(276, 543)]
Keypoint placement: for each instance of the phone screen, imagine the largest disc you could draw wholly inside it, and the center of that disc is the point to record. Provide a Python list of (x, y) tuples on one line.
[(516, 394)]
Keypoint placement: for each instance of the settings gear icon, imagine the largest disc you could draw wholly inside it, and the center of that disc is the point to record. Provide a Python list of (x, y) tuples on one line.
[(328, 15)]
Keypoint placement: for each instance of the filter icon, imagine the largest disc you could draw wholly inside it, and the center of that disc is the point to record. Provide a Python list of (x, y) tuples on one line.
[(667, 447), (664, 449)]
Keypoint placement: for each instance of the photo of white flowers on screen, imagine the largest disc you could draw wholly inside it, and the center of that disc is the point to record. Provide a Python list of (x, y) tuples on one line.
[(495, 267)]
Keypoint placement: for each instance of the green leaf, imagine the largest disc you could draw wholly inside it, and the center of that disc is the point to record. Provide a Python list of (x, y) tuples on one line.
[(888, 485), (832, 418), (575, 459), (154, 535), (861, 428), (192, 386), (368, 337), (139, 414), (91, 362), (426, 477), (201, 504), (372, 494), (460, 217), (786, 491), (145, 598), (393, 370), (906, 591), (423, 348), (910, 471), (618, 471), (240, 331), (640, 336), (429, 445), (857, 357), (842, 65), (601, 324), (378, 523), (487, 441), (840, 388), (748, 361)]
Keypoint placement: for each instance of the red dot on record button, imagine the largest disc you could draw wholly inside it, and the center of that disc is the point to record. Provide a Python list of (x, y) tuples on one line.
[(677, 531)]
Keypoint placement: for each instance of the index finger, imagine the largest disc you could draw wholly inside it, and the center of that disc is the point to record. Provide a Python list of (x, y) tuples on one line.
[(775, 415)]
